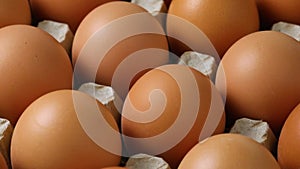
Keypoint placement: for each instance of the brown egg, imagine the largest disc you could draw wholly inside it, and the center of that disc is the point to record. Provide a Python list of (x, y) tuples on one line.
[(229, 151), (258, 77), (66, 11), (168, 110), (223, 22), (32, 63), (52, 133), (272, 11), (289, 141), (115, 42), (14, 12)]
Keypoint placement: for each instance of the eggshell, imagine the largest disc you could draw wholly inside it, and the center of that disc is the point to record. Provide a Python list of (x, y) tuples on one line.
[(258, 77), (32, 63), (50, 134), (289, 141), (223, 22), (272, 11), (14, 12), (117, 40), (66, 11), (167, 111), (229, 151)]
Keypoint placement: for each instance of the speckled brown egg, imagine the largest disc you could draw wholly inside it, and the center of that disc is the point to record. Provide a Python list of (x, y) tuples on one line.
[(289, 141), (168, 110), (272, 11), (52, 133), (258, 77), (32, 63), (117, 40), (66, 11), (223, 22), (14, 12), (229, 151)]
